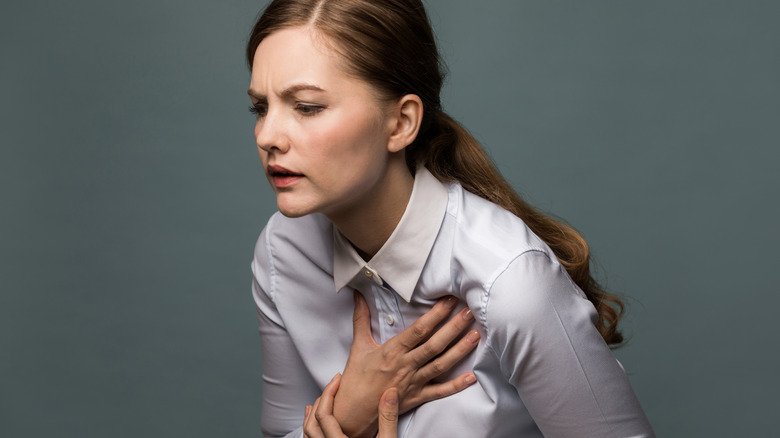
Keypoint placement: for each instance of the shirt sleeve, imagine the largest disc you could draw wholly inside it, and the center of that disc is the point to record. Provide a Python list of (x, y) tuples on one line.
[(287, 385), (541, 327)]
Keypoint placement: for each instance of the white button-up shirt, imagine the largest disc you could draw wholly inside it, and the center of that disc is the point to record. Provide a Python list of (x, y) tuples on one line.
[(541, 365)]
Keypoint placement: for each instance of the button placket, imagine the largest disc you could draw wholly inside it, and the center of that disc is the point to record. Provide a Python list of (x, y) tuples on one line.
[(387, 311)]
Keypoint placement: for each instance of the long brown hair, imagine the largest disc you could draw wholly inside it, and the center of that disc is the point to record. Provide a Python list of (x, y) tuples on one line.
[(390, 44)]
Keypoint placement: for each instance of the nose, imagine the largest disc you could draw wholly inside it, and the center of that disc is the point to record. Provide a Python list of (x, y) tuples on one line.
[(270, 134)]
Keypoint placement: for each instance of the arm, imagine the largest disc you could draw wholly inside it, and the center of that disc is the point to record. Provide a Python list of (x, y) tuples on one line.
[(287, 385), (541, 327)]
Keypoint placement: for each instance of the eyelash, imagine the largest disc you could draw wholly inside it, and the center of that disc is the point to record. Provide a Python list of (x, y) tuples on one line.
[(308, 110), (259, 110)]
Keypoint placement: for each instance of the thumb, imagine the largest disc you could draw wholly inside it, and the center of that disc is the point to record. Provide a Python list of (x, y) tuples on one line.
[(361, 320), (388, 414)]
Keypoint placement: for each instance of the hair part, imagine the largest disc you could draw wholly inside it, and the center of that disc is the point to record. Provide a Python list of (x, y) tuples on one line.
[(368, 35)]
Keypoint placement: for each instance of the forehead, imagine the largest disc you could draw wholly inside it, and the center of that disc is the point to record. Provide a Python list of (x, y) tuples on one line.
[(298, 55)]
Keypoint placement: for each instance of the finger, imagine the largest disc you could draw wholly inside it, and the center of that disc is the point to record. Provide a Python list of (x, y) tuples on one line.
[(413, 335), (388, 414), (324, 411), (450, 357), (361, 320), (331, 427), (306, 414), (443, 337), (324, 405), (326, 399), (441, 390), (311, 427)]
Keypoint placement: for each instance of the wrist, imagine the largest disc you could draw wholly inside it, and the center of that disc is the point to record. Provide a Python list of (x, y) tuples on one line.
[(357, 424), (369, 432)]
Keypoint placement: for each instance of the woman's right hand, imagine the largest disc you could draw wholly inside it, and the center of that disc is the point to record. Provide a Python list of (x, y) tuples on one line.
[(320, 422), (407, 362)]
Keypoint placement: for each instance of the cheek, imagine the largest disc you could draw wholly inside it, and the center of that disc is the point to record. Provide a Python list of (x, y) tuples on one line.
[(354, 138)]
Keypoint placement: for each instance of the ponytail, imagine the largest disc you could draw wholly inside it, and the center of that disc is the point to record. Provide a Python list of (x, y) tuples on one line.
[(450, 153), (368, 34)]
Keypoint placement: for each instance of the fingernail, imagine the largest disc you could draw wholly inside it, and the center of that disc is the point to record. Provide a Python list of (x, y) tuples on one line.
[(392, 397), (470, 379), (450, 301), (467, 315), (473, 337)]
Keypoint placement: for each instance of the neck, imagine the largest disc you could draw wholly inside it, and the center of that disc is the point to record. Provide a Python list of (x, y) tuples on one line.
[(368, 228)]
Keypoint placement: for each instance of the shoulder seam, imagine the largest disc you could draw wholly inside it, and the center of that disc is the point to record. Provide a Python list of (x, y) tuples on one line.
[(488, 285)]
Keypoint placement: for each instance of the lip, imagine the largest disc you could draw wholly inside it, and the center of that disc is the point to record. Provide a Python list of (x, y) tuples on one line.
[(283, 177)]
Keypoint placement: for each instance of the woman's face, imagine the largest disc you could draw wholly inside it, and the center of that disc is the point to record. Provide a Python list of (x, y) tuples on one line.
[(321, 134)]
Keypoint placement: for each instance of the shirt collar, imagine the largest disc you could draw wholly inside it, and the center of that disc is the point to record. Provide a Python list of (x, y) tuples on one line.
[(400, 261)]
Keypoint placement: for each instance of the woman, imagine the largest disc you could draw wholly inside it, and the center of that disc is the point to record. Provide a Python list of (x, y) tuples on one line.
[(388, 207)]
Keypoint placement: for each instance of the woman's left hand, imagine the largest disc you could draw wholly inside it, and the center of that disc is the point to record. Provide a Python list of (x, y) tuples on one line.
[(320, 422), (409, 362)]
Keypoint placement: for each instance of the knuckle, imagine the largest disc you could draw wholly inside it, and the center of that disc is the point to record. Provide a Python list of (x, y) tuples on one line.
[(418, 332), (439, 391), (388, 416), (460, 350), (459, 324), (438, 366), (429, 350), (402, 373), (389, 357)]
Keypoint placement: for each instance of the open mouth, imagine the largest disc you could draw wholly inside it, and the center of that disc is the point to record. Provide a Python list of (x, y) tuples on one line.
[(283, 177), (284, 174)]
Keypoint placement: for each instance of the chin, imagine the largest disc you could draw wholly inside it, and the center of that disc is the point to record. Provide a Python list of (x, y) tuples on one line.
[(292, 214), (293, 211)]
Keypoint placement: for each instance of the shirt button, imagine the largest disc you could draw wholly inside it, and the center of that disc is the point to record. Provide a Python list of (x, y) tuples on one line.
[(368, 273), (389, 320)]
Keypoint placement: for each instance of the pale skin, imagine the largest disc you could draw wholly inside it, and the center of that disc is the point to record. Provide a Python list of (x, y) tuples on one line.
[(344, 146), (330, 145)]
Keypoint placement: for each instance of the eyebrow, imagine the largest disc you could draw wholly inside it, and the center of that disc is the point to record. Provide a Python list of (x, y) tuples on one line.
[(289, 91)]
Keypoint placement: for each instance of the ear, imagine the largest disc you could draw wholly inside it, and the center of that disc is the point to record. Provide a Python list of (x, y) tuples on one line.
[(405, 122)]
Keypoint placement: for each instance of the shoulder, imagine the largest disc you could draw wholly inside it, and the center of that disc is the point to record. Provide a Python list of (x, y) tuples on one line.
[(486, 238), (500, 259), (534, 289)]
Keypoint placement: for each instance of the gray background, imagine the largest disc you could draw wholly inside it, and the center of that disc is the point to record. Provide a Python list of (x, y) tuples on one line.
[(131, 195)]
